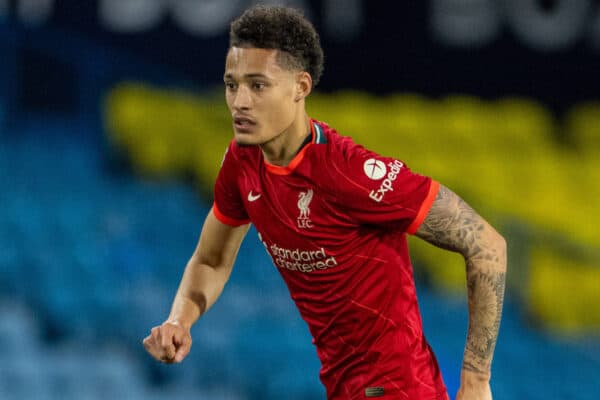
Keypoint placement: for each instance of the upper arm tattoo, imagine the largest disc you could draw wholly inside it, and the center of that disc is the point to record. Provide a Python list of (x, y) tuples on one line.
[(452, 224)]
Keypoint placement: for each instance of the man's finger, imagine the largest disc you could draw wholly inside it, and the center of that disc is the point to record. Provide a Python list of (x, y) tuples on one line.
[(169, 352), (155, 332), (183, 350), (182, 353), (166, 345), (147, 342), (152, 344), (166, 337)]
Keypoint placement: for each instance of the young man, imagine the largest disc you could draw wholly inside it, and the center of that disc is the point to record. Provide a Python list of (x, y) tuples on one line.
[(334, 217)]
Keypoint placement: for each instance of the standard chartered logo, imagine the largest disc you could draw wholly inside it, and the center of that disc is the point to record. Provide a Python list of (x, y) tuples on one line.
[(298, 259)]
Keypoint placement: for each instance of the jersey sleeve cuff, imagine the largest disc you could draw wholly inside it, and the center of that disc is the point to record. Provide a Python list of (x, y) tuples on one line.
[(425, 206), (227, 220)]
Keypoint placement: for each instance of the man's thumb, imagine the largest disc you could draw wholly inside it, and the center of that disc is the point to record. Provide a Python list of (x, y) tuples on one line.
[(183, 344), (182, 351)]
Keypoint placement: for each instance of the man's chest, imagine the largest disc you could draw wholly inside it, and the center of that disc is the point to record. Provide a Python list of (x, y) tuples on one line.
[(292, 208)]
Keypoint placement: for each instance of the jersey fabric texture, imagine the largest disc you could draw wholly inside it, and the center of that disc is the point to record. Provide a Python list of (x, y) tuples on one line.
[(334, 221)]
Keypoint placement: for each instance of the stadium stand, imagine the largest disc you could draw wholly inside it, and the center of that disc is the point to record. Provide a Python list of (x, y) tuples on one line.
[(90, 259), (461, 141)]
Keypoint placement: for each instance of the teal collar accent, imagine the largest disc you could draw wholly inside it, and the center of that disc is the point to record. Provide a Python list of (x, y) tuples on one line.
[(319, 134)]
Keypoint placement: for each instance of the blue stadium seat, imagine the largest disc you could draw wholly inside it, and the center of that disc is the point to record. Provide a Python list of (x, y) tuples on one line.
[(19, 329)]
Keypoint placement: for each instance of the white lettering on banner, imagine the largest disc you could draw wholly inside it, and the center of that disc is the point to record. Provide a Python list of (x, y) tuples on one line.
[(343, 18), (460, 23), (454, 22), (476, 23), (298, 259), (212, 17), (386, 185), (30, 12), (205, 18), (554, 29), (131, 16), (595, 31)]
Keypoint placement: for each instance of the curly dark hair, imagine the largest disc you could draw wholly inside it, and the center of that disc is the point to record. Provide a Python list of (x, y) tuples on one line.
[(284, 29)]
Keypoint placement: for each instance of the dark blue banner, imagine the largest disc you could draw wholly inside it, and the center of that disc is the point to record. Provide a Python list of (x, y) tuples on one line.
[(546, 49)]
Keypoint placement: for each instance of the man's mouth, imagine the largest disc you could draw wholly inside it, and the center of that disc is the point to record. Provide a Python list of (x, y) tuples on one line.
[(243, 124)]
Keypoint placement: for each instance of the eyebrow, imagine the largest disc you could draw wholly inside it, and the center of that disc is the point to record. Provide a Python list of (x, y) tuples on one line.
[(255, 75)]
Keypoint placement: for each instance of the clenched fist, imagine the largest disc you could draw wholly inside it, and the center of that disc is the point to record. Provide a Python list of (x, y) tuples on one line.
[(169, 342)]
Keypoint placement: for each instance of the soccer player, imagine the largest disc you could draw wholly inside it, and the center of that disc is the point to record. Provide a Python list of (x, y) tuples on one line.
[(334, 217)]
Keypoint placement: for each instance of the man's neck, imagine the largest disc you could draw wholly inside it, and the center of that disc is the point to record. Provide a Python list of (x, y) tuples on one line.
[(282, 149)]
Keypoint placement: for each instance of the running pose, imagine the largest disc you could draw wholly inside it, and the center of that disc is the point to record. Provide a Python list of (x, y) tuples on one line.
[(334, 217)]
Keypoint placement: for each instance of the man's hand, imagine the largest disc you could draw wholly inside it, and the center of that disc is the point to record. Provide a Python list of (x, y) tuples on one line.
[(206, 273), (474, 387), (169, 342)]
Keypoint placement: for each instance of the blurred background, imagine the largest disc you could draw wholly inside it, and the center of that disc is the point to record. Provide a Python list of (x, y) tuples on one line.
[(112, 128)]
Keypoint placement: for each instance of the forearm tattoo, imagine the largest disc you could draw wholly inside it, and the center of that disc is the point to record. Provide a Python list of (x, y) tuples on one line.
[(452, 224)]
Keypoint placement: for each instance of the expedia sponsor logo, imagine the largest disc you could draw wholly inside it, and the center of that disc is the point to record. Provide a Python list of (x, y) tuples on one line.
[(374, 169), (386, 184)]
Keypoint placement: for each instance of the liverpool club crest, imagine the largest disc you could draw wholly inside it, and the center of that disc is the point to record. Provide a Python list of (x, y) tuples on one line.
[(304, 199)]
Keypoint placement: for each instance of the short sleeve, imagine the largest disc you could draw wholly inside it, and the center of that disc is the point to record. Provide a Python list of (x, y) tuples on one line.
[(228, 206), (377, 190)]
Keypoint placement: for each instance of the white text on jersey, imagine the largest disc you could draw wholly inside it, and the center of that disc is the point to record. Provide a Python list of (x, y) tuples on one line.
[(299, 260), (386, 185)]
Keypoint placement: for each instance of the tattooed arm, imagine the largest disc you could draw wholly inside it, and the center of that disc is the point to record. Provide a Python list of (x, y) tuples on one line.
[(453, 225)]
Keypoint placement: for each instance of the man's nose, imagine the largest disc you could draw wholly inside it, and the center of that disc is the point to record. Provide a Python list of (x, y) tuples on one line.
[(243, 99)]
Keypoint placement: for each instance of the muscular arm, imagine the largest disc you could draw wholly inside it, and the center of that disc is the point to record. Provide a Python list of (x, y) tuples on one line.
[(453, 225), (203, 280), (207, 271)]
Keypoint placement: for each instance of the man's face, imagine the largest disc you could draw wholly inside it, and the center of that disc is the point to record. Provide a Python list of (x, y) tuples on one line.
[(260, 95)]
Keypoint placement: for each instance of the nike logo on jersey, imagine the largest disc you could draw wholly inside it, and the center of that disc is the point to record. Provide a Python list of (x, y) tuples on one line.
[(253, 197)]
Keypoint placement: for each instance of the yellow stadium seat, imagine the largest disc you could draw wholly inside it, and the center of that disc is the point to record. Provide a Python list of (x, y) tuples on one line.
[(564, 292)]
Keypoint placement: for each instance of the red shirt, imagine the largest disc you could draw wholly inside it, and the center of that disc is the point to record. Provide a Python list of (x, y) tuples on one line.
[(334, 221)]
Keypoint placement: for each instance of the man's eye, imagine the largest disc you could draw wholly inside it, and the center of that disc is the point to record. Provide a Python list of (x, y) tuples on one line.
[(230, 85), (258, 85)]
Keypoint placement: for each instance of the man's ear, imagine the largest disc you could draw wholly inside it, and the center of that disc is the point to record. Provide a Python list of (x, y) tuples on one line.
[(303, 85)]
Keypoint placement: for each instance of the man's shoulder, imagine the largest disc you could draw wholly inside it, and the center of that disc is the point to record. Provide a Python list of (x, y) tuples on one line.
[(339, 161), (338, 145)]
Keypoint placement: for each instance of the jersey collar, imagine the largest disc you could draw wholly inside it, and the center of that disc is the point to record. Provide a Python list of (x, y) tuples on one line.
[(317, 137)]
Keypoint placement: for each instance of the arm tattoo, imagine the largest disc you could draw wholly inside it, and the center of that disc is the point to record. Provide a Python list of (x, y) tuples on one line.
[(486, 294), (453, 225)]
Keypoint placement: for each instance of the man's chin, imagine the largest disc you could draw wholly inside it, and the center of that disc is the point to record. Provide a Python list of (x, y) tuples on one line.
[(245, 140)]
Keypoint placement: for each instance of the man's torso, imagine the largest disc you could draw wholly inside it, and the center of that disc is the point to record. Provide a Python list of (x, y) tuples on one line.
[(350, 277)]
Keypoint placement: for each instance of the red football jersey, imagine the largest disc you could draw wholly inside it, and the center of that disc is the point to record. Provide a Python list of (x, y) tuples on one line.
[(334, 221)]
